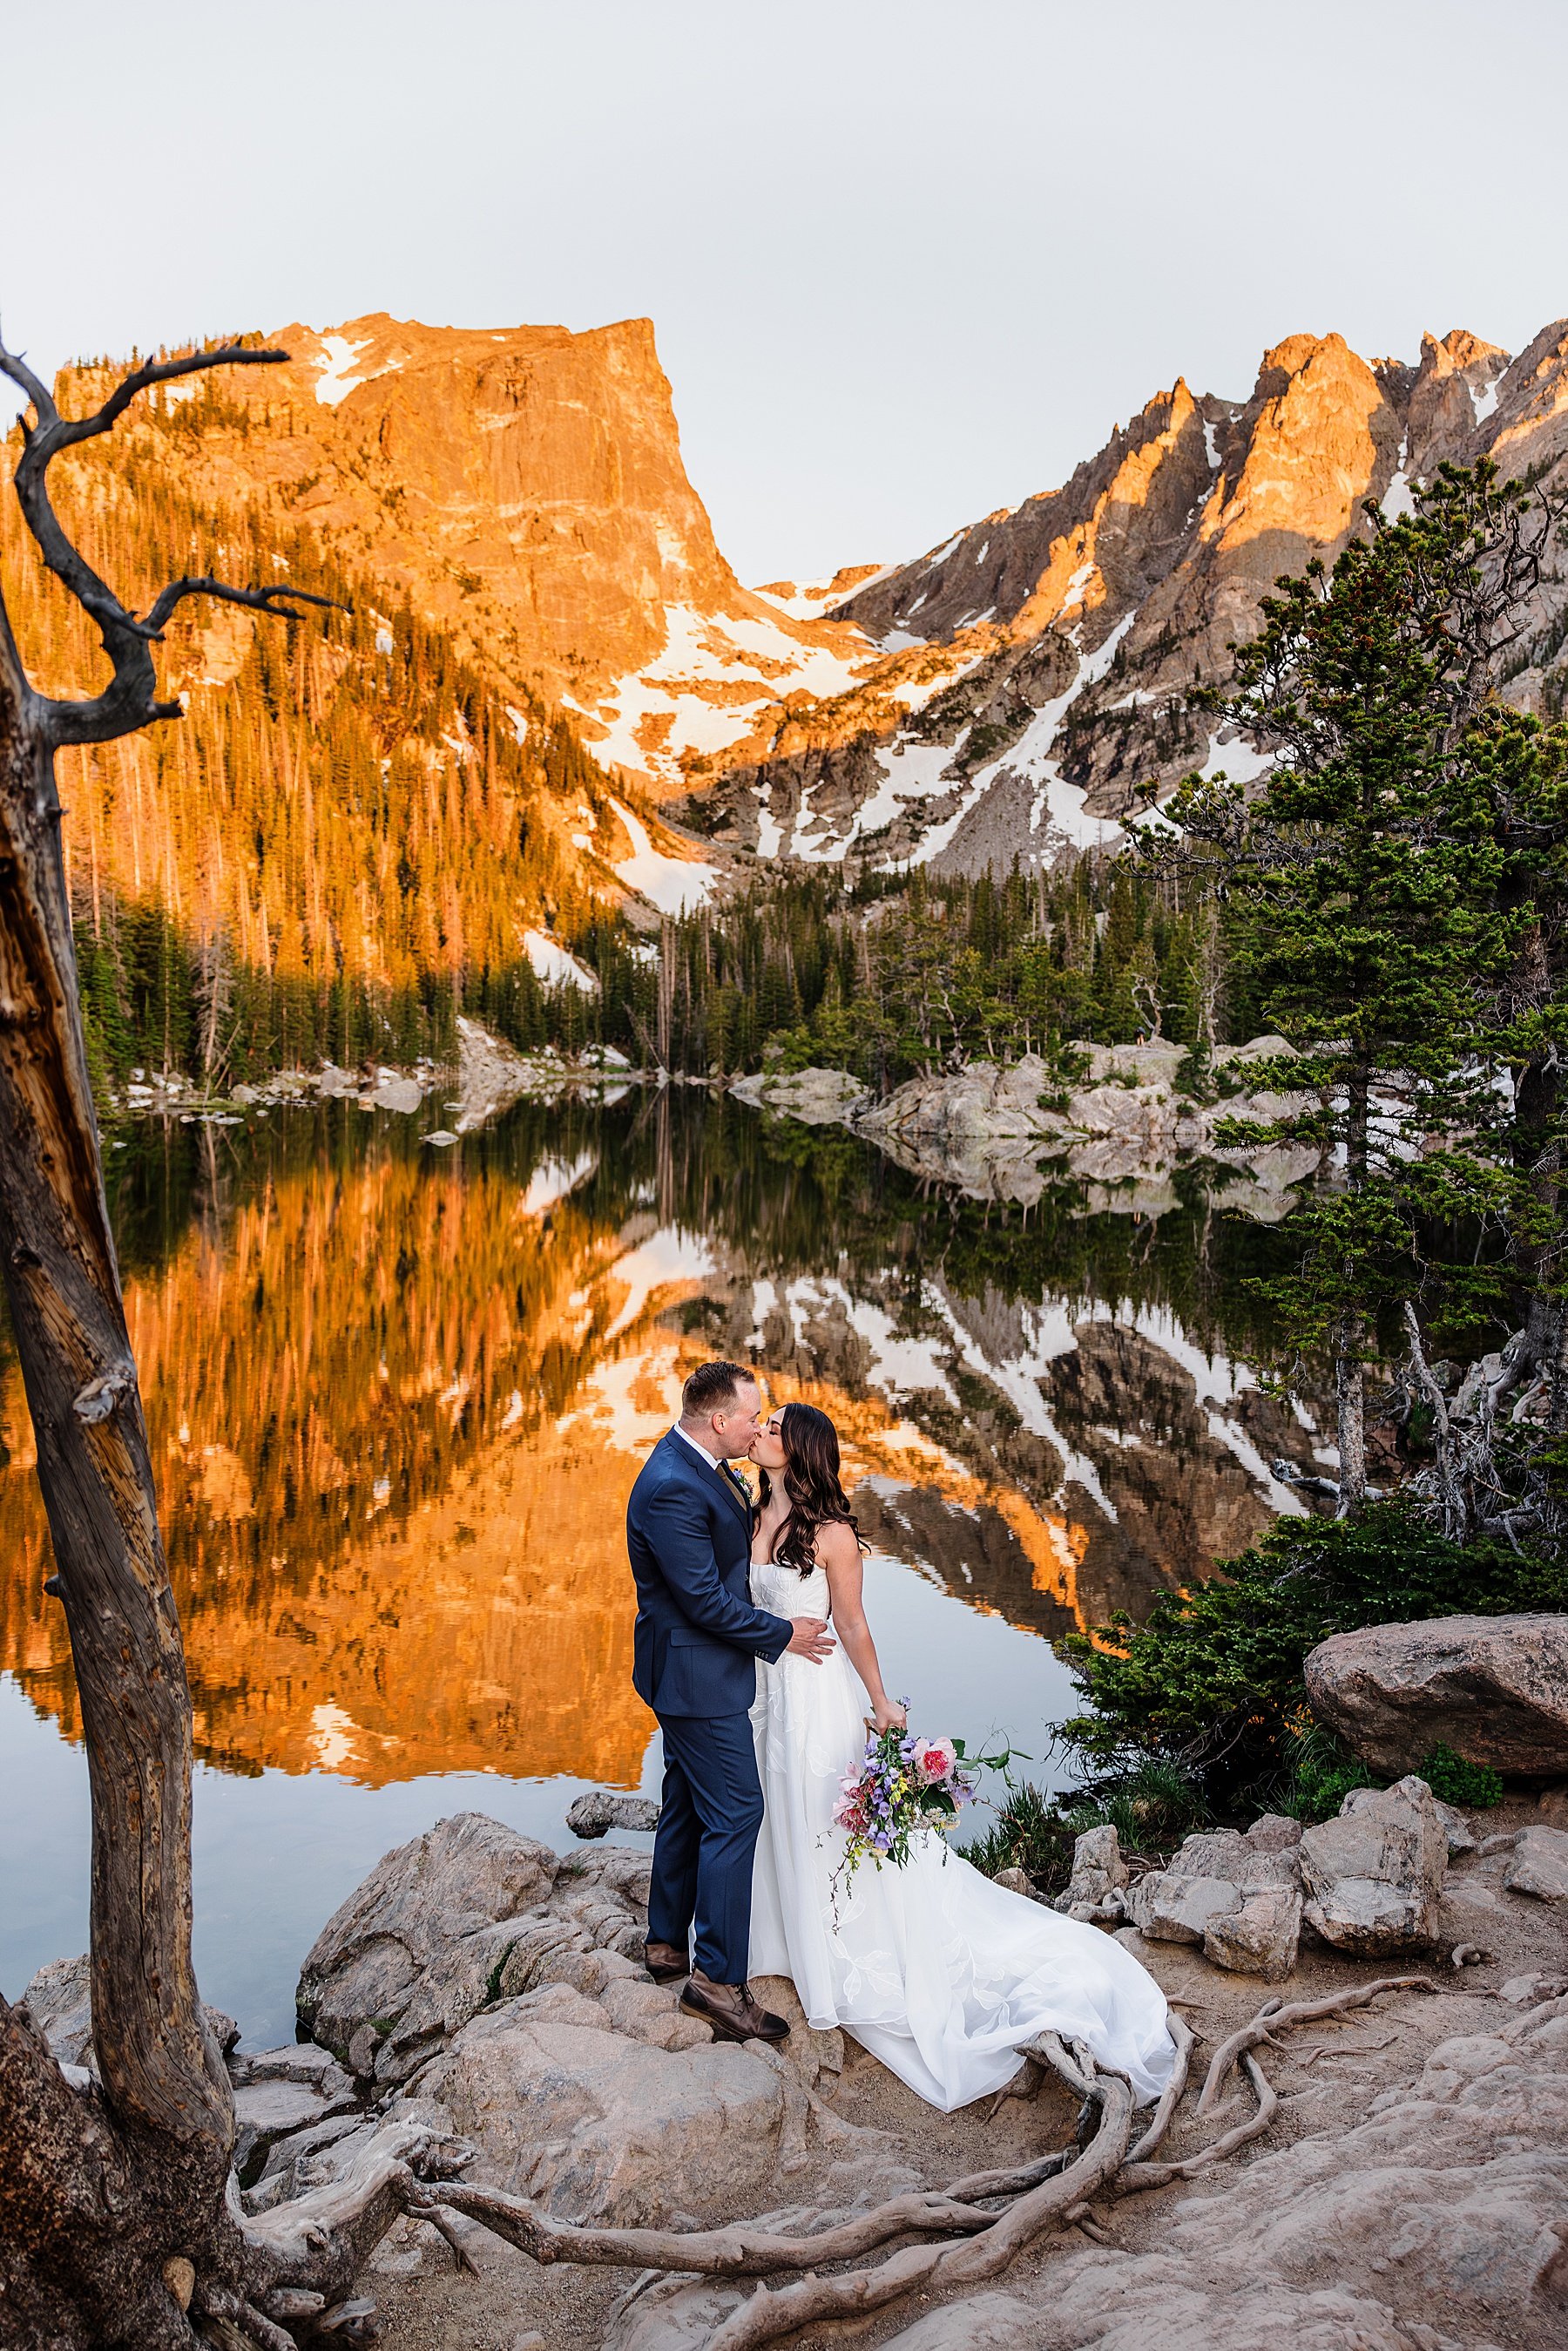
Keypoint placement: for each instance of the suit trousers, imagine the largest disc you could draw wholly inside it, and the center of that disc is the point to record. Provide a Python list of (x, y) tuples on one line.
[(701, 1895)]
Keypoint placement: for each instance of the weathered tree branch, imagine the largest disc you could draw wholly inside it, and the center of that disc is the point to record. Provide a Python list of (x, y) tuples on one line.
[(113, 2205), (254, 600), (129, 701), (736, 2250)]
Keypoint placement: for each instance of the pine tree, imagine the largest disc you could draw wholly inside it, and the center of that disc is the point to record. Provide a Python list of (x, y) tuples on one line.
[(1377, 906)]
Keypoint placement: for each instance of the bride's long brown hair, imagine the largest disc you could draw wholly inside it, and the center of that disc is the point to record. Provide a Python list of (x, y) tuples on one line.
[(811, 1485)]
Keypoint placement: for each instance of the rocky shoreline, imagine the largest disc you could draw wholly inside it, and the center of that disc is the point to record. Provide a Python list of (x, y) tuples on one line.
[(1409, 2191), (1003, 1131), (489, 1076), (994, 1131)]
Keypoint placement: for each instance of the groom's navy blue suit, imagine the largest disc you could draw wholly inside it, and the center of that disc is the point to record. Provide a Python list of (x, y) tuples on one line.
[(694, 1662)]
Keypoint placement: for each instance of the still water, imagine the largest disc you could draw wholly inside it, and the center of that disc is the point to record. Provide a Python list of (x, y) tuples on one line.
[(396, 1397)]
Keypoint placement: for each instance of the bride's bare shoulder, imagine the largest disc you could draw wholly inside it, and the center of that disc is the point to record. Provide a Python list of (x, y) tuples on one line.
[(836, 1548)]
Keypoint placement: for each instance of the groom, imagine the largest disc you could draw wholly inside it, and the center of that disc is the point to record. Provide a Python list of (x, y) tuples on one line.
[(698, 1638)]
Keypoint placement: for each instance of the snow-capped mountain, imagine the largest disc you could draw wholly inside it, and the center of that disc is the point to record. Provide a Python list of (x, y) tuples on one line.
[(1036, 666)]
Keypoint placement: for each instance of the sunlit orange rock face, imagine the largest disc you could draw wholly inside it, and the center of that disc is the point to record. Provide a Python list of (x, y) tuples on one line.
[(524, 487)]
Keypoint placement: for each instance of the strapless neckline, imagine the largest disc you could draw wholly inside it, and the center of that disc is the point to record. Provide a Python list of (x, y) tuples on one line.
[(787, 1593)]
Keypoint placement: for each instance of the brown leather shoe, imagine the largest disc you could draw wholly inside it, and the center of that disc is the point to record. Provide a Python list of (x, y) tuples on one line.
[(664, 1962), (731, 2011)]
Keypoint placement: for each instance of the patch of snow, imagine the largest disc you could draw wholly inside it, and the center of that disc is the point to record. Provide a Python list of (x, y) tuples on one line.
[(1218, 1381), (809, 601), (944, 552), (769, 832), (1076, 586), (1397, 501), (699, 651), (1485, 401), (519, 722), (1058, 805), (610, 1392), (1241, 761), (554, 966), (334, 1738), (916, 693), (673, 884), (764, 1297), (1019, 1380), (897, 641), (338, 356), (910, 771), (1210, 446)]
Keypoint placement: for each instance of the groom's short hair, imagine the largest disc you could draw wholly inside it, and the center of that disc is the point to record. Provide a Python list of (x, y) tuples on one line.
[(711, 1388)]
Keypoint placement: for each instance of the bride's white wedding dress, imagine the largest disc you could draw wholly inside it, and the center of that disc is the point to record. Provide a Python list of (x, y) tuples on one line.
[(934, 1968)]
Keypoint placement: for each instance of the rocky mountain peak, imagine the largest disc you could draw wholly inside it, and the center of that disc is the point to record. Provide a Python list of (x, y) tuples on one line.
[(1452, 391), (1036, 667)]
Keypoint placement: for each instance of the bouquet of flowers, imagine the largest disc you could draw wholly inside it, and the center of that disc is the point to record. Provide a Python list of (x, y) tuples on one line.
[(904, 1784)]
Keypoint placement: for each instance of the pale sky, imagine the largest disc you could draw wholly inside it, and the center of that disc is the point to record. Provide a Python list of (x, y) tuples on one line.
[(907, 262)]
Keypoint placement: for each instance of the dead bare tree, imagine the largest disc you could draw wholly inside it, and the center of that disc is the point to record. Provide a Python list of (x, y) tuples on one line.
[(113, 2201)]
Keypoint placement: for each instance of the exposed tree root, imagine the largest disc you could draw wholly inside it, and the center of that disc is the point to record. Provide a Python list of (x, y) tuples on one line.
[(1175, 2089), (1134, 2176), (303, 2256), (814, 2300), (733, 2252), (1273, 2018)]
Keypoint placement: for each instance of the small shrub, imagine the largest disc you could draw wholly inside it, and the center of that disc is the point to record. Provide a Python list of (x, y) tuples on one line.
[(1475, 1786), (1320, 1773), (1151, 1807), (1213, 1682), (1028, 1834)]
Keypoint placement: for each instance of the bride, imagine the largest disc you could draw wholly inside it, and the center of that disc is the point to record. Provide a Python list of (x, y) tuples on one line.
[(935, 1969)]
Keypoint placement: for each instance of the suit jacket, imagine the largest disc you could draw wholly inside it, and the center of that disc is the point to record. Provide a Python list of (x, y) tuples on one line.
[(698, 1637)]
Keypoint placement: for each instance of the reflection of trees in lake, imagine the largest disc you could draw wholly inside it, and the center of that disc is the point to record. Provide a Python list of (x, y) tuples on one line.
[(396, 1402)]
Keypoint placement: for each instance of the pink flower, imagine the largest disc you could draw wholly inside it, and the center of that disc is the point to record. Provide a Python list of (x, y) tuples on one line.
[(934, 1758)]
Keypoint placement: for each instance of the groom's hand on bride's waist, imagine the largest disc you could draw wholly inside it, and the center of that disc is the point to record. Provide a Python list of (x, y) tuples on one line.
[(809, 1637)]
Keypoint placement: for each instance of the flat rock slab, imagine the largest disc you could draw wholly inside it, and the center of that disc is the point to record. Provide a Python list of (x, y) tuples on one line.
[(982, 2322), (399, 1963), (1492, 1688), (265, 2111), (1540, 1864), (296, 2061), (598, 2126), (1374, 1877), (1260, 1939), (1171, 1909)]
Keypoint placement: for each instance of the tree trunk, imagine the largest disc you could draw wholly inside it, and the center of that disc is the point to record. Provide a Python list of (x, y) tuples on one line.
[(167, 2114), (1349, 1330)]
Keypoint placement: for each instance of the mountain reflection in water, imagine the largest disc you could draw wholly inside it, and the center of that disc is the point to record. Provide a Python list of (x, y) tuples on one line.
[(396, 1397)]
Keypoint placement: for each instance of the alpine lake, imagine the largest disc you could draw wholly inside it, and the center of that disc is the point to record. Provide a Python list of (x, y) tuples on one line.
[(398, 1393)]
